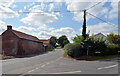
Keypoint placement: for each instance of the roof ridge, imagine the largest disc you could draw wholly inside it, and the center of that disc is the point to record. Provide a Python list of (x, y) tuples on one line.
[(95, 35), (24, 33), (25, 36)]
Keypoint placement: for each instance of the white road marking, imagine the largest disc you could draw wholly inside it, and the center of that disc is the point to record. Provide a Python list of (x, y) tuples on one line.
[(30, 71), (66, 72), (36, 68), (47, 63), (43, 65), (108, 67)]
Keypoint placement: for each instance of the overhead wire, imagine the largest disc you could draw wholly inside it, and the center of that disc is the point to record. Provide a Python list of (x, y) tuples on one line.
[(103, 20)]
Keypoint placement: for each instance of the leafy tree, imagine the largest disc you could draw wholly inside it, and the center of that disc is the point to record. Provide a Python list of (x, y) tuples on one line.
[(113, 38), (77, 39), (53, 41), (63, 40)]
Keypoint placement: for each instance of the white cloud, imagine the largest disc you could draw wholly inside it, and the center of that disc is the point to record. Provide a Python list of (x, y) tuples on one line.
[(24, 28), (2, 27), (113, 13), (38, 18), (42, 6), (35, 7), (5, 11), (44, 35), (33, 29), (50, 0), (6, 3), (10, 3), (45, 28), (78, 6), (69, 32), (45, 32), (25, 7), (64, 31), (102, 27), (20, 11), (14, 6), (29, 5), (51, 6)]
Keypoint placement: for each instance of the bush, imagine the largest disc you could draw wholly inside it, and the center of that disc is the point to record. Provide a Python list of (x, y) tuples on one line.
[(112, 49), (74, 50), (45, 47), (94, 45)]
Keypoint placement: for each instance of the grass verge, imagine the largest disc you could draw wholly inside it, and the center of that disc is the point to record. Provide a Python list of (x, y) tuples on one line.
[(103, 57), (50, 50), (65, 54), (90, 58)]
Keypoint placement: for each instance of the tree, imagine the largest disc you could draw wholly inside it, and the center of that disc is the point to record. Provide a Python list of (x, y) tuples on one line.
[(113, 38), (77, 39), (53, 41), (63, 40), (84, 26)]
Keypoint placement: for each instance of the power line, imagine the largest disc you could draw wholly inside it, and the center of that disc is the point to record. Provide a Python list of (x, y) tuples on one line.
[(93, 5), (53, 11), (25, 12), (103, 20)]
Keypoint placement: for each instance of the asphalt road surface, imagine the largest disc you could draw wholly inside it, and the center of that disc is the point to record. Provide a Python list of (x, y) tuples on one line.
[(54, 63)]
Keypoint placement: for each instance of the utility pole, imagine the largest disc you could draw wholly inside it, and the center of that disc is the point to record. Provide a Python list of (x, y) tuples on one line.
[(84, 26)]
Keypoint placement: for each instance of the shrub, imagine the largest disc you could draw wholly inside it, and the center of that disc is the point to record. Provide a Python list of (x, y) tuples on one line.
[(112, 49), (113, 38), (45, 47), (94, 45), (74, 50)]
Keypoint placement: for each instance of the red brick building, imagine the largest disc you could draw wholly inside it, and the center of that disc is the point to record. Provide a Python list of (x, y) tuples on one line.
[(47, 43), (18, 43), (0, 44)]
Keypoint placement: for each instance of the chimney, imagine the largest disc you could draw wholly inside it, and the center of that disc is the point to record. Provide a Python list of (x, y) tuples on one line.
[(9, 27)]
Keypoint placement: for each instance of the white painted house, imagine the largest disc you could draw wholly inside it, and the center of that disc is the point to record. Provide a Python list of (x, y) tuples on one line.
[(99, 35)]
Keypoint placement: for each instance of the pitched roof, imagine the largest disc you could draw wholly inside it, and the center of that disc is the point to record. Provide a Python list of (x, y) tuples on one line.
[(25, 36), (44, 41), (95, 35)]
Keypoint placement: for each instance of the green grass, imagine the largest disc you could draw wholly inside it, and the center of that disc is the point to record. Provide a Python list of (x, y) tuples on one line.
[(65, 53), (94, 57), (104, 57), (50, 50)]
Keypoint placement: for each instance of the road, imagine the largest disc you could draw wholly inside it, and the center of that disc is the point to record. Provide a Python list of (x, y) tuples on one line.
[(54, 63)]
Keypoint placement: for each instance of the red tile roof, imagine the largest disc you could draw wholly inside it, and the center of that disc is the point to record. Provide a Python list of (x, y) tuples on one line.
[(94, 35), (25, 36), (44, 41)]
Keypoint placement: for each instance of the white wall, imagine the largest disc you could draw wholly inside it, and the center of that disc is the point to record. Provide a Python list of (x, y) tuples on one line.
[(100, 36)]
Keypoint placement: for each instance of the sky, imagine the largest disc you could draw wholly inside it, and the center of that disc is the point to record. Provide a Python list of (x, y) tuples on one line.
[(44, 19)]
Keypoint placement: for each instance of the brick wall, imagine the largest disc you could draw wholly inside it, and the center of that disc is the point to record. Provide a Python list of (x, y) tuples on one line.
[(0, 44), (9, 43), (31, 47), (14, 45)]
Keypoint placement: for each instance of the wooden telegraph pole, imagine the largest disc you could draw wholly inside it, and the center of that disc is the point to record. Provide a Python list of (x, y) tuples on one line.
[(84, 26)]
